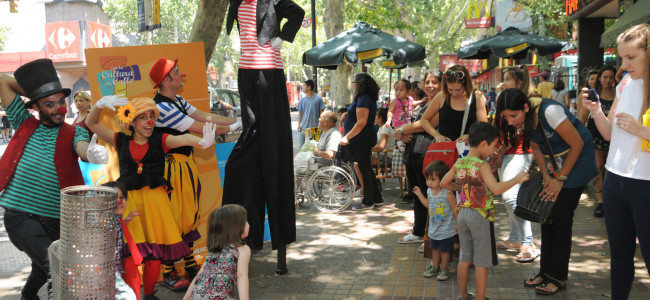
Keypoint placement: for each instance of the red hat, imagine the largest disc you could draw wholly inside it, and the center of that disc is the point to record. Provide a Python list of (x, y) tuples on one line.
[(160, 69)]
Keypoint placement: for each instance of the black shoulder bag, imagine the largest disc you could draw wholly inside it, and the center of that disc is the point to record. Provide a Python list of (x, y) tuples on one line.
[(530, 205)]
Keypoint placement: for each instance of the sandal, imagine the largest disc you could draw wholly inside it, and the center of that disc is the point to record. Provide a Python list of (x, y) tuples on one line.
[(508, 245), (559, 286), (599, 212), (540, 275), (527, 256)]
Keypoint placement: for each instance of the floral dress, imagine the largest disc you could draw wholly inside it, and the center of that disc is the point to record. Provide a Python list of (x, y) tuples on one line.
[(219, 279)]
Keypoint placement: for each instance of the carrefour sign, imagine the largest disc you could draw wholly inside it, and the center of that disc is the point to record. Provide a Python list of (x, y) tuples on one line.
[(474, 17)]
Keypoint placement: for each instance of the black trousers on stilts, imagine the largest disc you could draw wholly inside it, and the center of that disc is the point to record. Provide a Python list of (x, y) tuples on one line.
[(259, 170)]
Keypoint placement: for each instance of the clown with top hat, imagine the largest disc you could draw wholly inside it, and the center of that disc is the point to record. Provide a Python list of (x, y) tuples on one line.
[(46, 146)]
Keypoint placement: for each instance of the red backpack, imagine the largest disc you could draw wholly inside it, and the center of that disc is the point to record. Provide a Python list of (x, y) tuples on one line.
[(444, 151)]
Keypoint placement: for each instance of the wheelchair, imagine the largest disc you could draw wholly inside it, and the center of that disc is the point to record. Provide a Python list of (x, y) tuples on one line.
[(328, 187)]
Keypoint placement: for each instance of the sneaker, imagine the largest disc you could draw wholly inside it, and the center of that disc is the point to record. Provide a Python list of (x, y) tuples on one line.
[(410, 238), (421, 248), (406, 199), (174, 282), (362, 206), (470, 296), (358, 193), (379, 203), (431, 271), (443, 275), (190, 272)]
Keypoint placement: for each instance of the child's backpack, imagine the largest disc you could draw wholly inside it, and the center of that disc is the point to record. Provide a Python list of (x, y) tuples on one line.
[(444, 151)]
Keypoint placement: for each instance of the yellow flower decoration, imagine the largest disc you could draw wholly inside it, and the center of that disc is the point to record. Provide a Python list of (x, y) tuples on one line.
[(125, 114)]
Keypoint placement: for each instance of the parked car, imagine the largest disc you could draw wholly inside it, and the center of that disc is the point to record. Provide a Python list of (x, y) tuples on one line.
[(231, 97)]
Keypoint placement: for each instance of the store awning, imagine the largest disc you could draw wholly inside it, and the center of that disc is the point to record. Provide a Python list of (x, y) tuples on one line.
[(637, 14)]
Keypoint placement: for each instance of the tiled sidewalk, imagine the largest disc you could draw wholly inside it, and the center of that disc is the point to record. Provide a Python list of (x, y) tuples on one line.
[(355, 255)]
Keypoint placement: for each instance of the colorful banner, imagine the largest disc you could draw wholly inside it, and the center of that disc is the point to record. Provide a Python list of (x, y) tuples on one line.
[(125, 71)]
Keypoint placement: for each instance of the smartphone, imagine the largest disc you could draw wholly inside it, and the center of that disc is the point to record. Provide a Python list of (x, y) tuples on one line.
[(592, 95)]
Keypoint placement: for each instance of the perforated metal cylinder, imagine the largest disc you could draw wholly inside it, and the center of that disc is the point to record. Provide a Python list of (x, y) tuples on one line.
[(86, 250)]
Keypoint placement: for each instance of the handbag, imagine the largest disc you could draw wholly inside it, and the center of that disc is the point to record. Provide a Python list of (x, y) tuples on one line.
[(422, 142), (398, 169), (530, 205)]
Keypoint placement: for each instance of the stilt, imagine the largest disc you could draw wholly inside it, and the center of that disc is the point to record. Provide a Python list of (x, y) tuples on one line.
[(282, 260)]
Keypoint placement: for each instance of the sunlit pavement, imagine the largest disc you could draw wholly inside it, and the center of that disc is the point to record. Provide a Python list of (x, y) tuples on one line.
[(355, 255)]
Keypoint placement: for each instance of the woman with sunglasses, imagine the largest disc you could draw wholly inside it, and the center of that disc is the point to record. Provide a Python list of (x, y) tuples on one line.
[(449, 107), (413, 161)]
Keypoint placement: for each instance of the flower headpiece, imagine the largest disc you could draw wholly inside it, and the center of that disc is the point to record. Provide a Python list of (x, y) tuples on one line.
[(125, 114), (129, 112)]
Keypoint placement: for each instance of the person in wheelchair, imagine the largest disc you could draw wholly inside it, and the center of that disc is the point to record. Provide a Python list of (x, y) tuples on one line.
[(327, 147), (329, 140)]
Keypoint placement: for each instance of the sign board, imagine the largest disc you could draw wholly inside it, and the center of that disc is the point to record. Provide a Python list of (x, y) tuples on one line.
[(474, 17), (125, 71), (306, 22), (62, 41), (473, 65), (512, 14), (571, 6), (99, 35)]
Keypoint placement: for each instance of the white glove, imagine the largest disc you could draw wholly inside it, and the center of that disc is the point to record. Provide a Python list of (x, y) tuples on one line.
[(237, 126), (276, 43), (96, 154), (111, 101), (208, 135)]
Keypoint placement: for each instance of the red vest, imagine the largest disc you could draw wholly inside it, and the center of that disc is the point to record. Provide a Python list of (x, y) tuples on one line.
[(65, 158)]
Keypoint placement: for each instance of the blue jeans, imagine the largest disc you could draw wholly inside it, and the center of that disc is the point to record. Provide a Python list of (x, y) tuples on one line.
[(626, 218), (520, 229), (33, 234)]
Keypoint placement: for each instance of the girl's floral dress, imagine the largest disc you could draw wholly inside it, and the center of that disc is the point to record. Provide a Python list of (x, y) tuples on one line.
[(219, 279)]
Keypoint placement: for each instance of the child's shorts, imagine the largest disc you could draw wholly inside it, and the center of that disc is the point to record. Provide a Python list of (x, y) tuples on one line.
[(476, 233), (444, 245)]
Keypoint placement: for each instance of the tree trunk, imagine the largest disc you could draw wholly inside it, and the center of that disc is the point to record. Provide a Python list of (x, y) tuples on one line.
[(207, 25), (340, 84)]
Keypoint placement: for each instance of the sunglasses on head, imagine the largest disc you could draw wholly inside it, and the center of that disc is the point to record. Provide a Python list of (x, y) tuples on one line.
[(458, 74)]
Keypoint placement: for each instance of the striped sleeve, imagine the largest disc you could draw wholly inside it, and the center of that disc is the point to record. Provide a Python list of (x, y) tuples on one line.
[(188, 107), (171, 117), (16, 112)]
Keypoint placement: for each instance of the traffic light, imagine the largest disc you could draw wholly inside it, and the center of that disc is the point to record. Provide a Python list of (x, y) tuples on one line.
[(13, 6)]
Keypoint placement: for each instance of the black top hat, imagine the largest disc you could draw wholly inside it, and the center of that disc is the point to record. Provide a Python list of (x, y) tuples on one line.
[(39, 79)]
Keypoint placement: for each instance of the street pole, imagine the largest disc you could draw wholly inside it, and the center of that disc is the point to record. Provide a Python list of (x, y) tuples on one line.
[(313, 40)]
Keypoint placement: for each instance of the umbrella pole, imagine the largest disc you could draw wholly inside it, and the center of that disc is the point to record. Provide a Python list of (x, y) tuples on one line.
[(390, 84)]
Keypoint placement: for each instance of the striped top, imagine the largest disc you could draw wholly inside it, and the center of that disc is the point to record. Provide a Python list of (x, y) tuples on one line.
[(36, 167), (252, 55), (172, 117)]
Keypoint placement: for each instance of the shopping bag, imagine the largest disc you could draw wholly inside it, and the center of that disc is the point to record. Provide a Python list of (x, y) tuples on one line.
[(398, 168), (530, 205), (444, 151)]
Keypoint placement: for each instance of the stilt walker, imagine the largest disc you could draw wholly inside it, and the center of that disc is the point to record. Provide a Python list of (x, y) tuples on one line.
[(259, 172)]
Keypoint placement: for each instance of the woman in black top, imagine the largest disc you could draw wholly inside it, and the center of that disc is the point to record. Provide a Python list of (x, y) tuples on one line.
[(605, 86), (360, 134), (449, 107)]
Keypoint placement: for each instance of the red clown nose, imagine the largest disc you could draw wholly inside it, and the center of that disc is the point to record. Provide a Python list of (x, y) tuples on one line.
[(62, 111), (150, 122)]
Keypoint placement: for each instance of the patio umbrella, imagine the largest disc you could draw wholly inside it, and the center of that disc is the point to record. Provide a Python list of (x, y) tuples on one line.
[(361, 44), (511, 43), (639, 13)]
